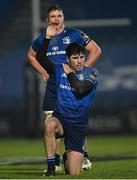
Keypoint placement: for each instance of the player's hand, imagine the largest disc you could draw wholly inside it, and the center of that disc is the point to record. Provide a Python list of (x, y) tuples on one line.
[(45, 75), (52, 30), (67, 68)]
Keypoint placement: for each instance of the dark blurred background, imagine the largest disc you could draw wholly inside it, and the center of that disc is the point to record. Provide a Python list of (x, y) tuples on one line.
[(112, 24)]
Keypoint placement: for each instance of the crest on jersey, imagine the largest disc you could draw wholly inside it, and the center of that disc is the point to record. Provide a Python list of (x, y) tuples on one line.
[(81, 77), (66, 40)]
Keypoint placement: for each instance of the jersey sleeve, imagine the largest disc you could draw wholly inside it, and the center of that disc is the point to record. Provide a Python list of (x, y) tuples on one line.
[(84, 38), (92, 77), (37, 43), (46, 63), (82, 88)]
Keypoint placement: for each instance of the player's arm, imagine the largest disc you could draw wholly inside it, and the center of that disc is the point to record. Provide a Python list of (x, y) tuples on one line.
[(92, 48), (94, 53), (51, 31), (34, 57), (42, 58), (35, 63), (82, 87)]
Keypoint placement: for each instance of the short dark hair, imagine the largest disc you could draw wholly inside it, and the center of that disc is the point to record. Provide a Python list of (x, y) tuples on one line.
[(54, 8), (74, 48)]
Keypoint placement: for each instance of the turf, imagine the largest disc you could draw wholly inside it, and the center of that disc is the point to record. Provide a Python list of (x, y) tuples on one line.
[(114, 157)]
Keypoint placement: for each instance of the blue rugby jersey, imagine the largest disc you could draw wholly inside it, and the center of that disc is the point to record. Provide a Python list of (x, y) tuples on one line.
[(56, 52), (69, 107)]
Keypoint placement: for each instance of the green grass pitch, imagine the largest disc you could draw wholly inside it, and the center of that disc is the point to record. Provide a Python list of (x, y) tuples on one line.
[(113, 157)]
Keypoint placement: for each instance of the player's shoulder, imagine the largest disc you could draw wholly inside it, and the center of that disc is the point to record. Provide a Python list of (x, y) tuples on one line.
[(40, 37), (92, 75), (78, 31), (80, 35), (73, 30), (92, 70), (37, 42)]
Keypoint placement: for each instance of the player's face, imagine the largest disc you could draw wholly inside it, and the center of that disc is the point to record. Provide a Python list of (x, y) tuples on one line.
[(77, 61), (56, 17)]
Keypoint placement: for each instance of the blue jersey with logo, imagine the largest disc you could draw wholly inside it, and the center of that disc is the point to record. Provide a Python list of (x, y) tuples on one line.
[(58, 44), (70, 108), (56, 52)]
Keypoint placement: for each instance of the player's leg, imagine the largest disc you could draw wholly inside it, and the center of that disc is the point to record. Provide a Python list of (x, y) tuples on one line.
[(50, 146), (75, 160), (87, 164), (57, 155), (51, 126), (58, 142), (47, 115)]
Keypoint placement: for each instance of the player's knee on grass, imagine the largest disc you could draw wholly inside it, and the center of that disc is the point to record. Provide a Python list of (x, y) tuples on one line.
[(75, 160)]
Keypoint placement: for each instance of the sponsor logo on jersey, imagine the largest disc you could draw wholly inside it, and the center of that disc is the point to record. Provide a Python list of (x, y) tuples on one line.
[(93, 75), (55, 48), (62, 86), (85, 37), (55, 53), (65, 87), (66, 40)]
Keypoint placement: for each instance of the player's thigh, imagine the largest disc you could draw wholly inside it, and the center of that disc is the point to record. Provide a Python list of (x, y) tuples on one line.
[(75, 160), (74, 139)]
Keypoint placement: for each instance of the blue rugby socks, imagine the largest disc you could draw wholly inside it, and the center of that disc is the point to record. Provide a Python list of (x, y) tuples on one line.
[(51, 166), (57, 159)]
